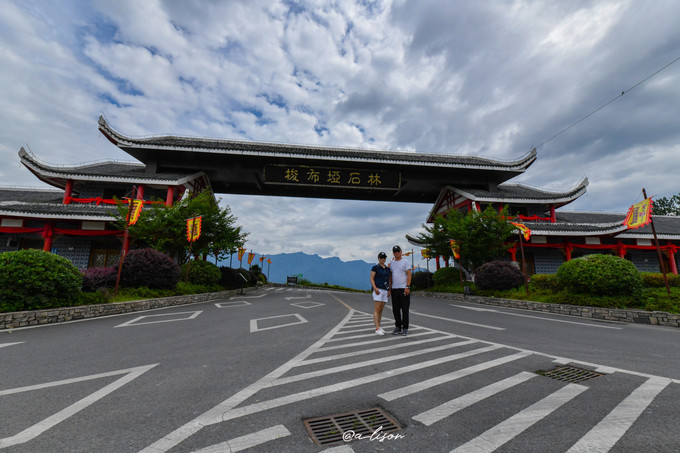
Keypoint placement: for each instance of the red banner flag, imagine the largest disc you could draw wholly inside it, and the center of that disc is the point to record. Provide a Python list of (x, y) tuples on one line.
[(241, 252), (639, 215), (194, 228), (455, 249), (526, 232), (250, 257)]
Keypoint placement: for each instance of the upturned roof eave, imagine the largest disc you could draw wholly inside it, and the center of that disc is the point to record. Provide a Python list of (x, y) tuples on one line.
[(57, 177), (275, 150)]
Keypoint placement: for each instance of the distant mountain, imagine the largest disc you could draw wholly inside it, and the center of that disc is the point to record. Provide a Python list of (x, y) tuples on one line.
[(334, 271)]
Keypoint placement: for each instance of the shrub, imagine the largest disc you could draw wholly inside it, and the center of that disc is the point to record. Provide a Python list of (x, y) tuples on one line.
[(547, 282), (446, 276), (422, 280), (655, 280), (231, 278), (600, 275), (498, 276), (150, 268), (99, 277), (202, 273), (34, 279)]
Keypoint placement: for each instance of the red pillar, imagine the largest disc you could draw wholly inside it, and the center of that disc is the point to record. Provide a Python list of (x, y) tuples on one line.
[(567, 252), (140, 192), (438, 265), (47, 234), (552, 214), (671, 259), (68, 190), (171, 196)]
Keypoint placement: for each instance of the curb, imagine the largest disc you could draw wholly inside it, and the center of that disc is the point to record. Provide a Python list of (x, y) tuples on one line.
[(18, 319), (655, 318)]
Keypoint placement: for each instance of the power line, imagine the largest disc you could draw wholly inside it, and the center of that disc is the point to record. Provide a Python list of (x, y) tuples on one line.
[(607, 103)]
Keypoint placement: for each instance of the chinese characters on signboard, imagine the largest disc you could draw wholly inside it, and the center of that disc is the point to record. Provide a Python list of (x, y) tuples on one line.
[(331, 177)]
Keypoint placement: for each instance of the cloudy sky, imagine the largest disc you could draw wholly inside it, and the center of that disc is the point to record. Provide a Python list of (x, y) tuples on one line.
[(492, 79)]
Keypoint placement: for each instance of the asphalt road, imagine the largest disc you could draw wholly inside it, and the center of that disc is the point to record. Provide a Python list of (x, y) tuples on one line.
[(245, 374)]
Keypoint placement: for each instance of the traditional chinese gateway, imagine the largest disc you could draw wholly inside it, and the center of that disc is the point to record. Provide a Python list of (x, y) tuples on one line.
[(76, 219)]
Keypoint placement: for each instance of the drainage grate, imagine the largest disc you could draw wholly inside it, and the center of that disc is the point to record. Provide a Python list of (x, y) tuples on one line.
[(570, 373), (362, 424)]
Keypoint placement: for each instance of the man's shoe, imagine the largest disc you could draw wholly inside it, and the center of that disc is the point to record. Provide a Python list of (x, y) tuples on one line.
[(404, 332), (396, 331), (379, 331)]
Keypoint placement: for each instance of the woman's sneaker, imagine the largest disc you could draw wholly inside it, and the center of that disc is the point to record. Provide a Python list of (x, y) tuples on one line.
[(379, 331)]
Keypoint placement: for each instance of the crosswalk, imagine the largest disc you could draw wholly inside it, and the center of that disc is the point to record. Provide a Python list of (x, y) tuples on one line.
[(349, 357)]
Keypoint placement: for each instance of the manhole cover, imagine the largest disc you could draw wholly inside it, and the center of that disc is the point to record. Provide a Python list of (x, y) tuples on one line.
[(570, 373), (339, 428)]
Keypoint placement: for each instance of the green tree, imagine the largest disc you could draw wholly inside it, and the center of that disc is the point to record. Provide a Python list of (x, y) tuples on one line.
[(481, 236), (667, 205), (164, 227), (436, 238)]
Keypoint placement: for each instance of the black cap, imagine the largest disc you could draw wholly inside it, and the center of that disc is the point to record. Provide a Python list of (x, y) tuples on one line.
[(382, 255), (396, 248)]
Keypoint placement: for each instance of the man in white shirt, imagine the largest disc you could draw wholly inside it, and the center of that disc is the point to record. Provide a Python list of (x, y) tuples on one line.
[(401, 291)]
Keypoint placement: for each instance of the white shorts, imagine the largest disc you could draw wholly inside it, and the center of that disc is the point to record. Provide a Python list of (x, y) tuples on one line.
[(382, 297)]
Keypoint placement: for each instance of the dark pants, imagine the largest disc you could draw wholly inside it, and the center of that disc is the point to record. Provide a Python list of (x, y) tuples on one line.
[(400, 305)]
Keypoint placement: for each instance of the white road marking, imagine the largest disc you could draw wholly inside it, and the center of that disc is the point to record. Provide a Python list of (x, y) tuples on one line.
[(371, 362), (4, 345), (438, 380), (307, 304), (308, 296), (133, 322), (485, 326), (255, 328), (606, 433), (542, 318), (247, 297), (239, 303), (451, 407), (42, 426), (510, 428), (247, 441)]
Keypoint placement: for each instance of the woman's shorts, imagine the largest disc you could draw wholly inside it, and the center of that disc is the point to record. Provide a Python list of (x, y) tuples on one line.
[(382, 297)]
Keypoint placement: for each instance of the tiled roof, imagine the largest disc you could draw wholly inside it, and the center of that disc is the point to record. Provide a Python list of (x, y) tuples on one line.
[(317, 152), (525, 194), (109, 171), (30, 195)]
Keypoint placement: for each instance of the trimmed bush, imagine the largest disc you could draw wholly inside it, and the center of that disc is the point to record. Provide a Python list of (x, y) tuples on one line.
[(600, 275), (34, 279), (422, 280), (202, 273), (498, 276), (547, 282), (99, 277), (150, 268), (655, 280), (231, 278), (446, 276)]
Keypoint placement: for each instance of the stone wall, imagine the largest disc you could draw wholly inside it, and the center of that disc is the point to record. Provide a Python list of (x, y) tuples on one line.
[(18, 319), (659, 318)]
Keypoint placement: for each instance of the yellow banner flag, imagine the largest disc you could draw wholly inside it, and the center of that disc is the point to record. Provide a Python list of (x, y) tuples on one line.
[(524, 231), (241, 252), (135, 211), (194, 228), (250, 257), (639, 215), (425, 253)]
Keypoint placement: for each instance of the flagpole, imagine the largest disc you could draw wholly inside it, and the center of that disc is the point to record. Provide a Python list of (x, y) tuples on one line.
[(524, 263), (658, 249), (125, 238)]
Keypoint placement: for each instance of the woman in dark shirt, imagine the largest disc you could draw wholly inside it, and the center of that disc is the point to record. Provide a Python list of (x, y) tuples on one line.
[(381, 278)]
